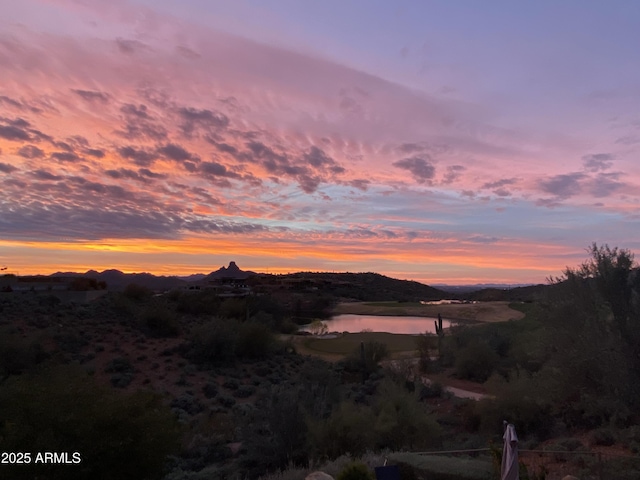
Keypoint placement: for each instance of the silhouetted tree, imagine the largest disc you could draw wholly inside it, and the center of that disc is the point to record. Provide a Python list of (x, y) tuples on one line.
[(594, 337)]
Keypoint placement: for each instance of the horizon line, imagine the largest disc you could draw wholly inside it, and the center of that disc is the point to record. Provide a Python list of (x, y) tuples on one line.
[(278, 271)]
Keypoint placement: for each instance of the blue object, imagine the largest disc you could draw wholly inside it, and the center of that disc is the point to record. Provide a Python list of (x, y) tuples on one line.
[(390, 472)]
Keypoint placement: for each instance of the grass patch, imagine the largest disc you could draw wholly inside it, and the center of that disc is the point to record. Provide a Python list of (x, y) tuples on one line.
[(485, 312), (532, 311), (392, 304), (348, 342), (439, 467)]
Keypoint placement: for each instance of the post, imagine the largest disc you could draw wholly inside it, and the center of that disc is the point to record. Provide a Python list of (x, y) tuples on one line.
[(364, 364), (440, 333)]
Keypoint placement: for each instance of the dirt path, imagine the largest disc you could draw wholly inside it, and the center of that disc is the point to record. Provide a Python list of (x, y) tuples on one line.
[(458, 392), (457, 387)]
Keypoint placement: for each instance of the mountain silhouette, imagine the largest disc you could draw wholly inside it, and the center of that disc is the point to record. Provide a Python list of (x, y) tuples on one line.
[(117, 280), (232, 271)]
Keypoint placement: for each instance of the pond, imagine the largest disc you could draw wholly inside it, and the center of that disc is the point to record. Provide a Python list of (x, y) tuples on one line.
[(382, 323)]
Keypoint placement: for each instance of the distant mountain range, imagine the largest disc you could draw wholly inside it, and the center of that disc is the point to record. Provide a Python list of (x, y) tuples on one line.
[(361, 286), (117, 280)]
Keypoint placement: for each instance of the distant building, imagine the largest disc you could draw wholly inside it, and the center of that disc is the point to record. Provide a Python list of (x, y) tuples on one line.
[(65, 288), (223, 287)]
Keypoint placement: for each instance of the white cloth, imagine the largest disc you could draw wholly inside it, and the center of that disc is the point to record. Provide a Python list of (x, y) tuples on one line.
[(509, 470)]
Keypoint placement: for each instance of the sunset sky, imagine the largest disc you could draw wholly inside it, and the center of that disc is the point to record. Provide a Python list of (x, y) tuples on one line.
[(441, 141)]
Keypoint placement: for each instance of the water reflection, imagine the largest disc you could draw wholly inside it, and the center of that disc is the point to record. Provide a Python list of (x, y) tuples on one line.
[(378, 323)]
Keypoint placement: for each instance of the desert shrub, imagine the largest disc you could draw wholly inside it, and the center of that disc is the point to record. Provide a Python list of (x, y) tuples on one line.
[(529, 417), (160, 321), (347, 429), (48, 301), (231, 384), (213, 342), (603, 436), (210, 390), (42, 321), (200, 303), (319, 387), (188, 403), (374, 353), (476, 361), (370, 459), (631, 437), (122, 372), (226, 401), (276, 433), (173, 295), (69, 341), (401, 421), (62, 410), (593, 410), (231, 371), (196, 459), (268, 305), (290, 473), (499, 340), (264, 318), (136, 292), (284, 347), (276, 378), (184, 472), (18, 355), (356, 471), (263, 369), (121, 380), (233, 308), (569, 444), (123, 306), (255, 340), (431, 390), (287, 327), (119, 365), (243, 409), (425, 343), (618, 468), (182, 380), (244, 391)]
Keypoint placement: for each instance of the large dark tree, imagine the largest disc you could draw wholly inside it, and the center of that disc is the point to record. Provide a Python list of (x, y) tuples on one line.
[(611, 278), (595, 336), (617, 281)]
